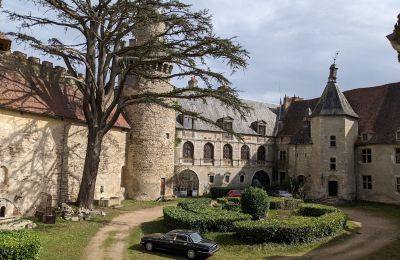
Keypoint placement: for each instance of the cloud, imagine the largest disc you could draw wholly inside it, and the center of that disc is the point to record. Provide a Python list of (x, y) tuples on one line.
[(292, 43)]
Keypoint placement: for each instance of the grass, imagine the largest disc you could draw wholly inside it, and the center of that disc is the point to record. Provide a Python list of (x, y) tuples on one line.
[(231, 246), (67, 240)]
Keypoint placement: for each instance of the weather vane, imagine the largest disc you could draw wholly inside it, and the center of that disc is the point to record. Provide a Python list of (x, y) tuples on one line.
[(335, 58)]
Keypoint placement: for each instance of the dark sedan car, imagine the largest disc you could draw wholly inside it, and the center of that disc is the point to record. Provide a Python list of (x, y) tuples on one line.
[(183, 241)]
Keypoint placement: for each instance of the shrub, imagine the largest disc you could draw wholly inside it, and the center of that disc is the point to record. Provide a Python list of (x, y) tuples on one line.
[(231, 206), (315, 210), (219, 192), (222, 200), (255, 202), (284, 203), (19, 245), (297, 229), (235, 200), (199, 215)]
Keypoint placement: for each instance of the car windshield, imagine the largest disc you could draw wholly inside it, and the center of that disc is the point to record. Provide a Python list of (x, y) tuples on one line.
[(196, 238)]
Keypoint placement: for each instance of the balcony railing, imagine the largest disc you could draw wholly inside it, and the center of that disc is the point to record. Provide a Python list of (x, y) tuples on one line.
[(222, 162)]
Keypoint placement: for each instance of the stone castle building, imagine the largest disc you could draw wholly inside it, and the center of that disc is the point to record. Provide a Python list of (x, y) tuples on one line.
[(344, 144)]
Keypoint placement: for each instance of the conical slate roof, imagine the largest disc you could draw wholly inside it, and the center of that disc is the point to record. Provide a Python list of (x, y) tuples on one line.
[(333, 102)]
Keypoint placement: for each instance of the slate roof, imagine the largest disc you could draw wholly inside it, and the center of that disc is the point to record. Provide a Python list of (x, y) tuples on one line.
[(332, 102), (378, 109), (215, 110)]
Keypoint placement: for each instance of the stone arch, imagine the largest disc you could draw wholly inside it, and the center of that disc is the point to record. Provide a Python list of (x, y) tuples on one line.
[(3, 212), (261, 153), (186, 184), (261, 180), (4, 175), (227, 152), (188, 151)]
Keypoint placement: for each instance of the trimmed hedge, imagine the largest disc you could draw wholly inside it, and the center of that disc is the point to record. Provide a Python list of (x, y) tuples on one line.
[(19, 245), (254, 201), (284, 203), (298, 229), (231, 206), (315, 210), (201, 216), (219, 192)]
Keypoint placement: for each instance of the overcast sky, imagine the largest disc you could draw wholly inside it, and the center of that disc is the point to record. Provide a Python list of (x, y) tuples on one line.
[(292, 43)]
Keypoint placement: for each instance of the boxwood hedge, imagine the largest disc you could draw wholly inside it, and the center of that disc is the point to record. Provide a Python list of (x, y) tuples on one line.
[(201, 216), (284, 203), (298, 229), (19, 245)]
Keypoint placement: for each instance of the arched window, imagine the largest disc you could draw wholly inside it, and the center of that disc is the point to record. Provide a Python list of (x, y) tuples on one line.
[(227, 152), (208, 153), (261, 153), (3, 175), (227, 177), (3, 212), (188, 150), (245, 153)]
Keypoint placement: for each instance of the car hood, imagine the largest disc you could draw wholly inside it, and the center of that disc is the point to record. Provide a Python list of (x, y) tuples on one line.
[(154, 236)]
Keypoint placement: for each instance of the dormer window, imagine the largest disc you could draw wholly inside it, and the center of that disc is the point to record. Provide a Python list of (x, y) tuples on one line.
[(364, 137), (259, 127), (226, 123), (187, 122)]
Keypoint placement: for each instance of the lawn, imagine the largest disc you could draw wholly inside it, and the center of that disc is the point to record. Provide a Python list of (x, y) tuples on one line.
[(231, 246), (67, 240)]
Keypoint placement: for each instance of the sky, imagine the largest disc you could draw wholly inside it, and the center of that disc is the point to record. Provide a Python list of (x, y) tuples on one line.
[(292, 43)]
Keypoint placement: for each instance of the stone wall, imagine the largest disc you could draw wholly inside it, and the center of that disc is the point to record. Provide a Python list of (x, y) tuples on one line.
[(42, 154), (383, 170), (219, 168)]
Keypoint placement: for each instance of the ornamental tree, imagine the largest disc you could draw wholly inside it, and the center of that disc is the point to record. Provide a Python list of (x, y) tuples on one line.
[(188, 42)]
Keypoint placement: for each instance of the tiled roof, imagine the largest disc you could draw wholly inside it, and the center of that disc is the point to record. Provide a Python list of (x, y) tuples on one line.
[(215, 110), (378, 109), (23, 89)]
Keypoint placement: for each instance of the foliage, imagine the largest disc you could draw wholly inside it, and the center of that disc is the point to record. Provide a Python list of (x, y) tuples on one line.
[(255, 201), (297, 188), (222, 200), (231, 206), (175, 35), (201, 216), (298, 229), (219, 192), (284, 203), (315, 210), (19, 245)]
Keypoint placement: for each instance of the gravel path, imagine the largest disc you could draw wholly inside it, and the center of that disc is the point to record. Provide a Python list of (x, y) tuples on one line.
[(119, 229)]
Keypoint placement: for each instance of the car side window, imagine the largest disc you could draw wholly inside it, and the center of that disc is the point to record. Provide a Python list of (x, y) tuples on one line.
[(170, 236), (181, 238)]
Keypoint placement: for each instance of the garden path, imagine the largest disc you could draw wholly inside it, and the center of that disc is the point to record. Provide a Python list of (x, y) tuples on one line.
[(110, 242), (375, 233)]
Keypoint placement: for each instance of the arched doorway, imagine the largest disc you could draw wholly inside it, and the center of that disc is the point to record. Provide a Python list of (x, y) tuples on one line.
[(261, 180), (3, 212), (186, 184)]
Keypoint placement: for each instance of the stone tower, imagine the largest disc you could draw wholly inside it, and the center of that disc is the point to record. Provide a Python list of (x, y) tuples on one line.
[(150, 144), (334, 131)]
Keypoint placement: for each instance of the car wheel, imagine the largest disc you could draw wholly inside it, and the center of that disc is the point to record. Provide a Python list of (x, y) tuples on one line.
[(149, 246), (191, 254)]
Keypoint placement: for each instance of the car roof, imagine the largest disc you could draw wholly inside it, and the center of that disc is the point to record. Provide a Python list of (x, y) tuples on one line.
[(182, 231)]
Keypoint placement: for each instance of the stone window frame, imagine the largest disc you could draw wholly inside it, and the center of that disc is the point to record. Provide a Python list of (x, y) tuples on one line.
[(397, 183), (397, 155), (367, 182), (211, 178), (242, 178), (227, 178), (332, 141), (332, 163), (208, 153), (188, 151), (261, 153), (245, 153), (227, 152), (366, 155), (282, 155)]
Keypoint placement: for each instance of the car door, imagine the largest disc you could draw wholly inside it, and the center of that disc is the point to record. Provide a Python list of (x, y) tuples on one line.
[(181, 242), (168, 241)]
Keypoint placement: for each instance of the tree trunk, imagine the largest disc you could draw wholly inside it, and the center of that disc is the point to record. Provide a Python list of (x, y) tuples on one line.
[(90, 170)]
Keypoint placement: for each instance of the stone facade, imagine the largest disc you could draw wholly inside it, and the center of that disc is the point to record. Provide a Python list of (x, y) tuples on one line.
[(41, 154)]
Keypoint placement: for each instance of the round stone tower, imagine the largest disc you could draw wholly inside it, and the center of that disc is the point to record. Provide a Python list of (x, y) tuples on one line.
[(150, 143)]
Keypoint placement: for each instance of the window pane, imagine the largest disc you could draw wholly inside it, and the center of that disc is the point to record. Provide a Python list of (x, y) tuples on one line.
[(211, 179), (245, 153), (261, 153), (242, 178), (227, 152)]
